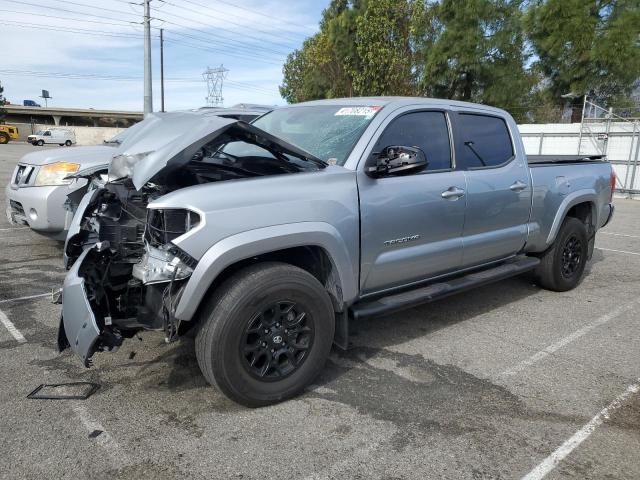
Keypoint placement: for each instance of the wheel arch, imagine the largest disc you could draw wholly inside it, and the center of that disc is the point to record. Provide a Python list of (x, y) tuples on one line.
[(581, 205), (315, 247)]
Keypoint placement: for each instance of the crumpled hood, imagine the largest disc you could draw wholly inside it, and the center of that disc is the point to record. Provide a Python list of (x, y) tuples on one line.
[(170, 140), (85, 156)]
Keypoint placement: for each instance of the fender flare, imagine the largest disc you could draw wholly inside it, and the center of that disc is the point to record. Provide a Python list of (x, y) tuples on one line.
[(574, 198), (248, 244)]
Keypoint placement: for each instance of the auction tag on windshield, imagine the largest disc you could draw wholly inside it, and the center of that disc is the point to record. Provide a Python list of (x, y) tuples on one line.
[(358, 111)]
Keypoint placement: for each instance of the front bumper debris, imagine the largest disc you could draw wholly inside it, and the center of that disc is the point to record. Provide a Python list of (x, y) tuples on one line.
[(78, 324)]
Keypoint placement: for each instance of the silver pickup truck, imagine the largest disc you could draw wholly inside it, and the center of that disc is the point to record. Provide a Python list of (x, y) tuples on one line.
[(266, 239)]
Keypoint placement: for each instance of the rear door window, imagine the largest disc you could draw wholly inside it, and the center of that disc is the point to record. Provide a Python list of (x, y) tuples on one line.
[(485, 141)]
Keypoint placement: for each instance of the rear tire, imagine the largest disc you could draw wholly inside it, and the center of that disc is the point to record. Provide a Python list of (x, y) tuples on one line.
[(40, 143), (265, 334), (67, 143), (4, 138), (562, 265)]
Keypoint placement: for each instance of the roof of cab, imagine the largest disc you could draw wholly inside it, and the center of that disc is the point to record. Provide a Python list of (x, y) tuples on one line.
[(390, 101)]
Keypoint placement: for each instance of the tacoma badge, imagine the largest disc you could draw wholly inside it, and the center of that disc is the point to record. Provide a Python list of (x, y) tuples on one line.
[(410, 238)]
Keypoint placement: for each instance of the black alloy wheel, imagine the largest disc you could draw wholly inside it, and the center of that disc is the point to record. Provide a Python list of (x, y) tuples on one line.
[(276, 341), (571, 256)]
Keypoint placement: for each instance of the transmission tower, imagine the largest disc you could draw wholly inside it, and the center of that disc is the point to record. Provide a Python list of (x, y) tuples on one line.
[(214, 78)]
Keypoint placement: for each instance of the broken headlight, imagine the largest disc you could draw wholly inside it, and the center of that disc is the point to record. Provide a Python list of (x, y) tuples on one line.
[(165, 225), (121, 166), (162, 265)]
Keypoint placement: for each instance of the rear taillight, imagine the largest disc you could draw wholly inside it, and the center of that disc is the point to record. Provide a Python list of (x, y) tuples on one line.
[(612, 182)]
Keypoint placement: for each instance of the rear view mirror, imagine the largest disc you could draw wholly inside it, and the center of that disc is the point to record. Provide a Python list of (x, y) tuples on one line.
[(396, 159)]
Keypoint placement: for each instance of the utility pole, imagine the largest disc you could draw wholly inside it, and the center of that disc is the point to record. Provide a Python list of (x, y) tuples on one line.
[(161, 71), (148, 92)]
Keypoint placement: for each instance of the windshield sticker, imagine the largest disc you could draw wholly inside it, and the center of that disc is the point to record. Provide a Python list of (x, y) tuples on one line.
[(358, 111)]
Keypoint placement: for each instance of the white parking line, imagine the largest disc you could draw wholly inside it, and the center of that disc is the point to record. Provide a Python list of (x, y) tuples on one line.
[(104, 439), (28, 297), (12, 328), (618, 251), (17, 228), (580, 436), (620, 234), (568, 339)]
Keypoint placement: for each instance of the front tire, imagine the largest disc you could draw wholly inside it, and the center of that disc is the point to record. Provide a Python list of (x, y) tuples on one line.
[(67, 143), (4, 138), (562, 266), (40, 143), (266, 333)]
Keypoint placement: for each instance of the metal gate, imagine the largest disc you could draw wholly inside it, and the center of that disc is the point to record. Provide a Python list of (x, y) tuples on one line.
[(604, 132)]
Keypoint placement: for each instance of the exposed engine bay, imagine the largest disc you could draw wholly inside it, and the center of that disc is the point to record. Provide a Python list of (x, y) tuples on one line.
[(131, 272)]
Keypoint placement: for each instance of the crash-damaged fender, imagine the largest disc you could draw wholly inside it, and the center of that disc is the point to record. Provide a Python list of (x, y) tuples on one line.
[(264, 240)]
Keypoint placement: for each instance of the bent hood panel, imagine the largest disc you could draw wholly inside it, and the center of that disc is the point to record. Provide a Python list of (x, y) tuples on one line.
[(170, 141)]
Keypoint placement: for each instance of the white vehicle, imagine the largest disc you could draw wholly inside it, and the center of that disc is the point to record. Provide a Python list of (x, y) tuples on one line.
[(53, 135)]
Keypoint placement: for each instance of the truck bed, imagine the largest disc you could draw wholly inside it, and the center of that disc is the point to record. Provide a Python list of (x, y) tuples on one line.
[(539, 160)]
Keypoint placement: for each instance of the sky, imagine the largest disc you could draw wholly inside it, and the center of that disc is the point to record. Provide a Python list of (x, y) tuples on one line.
[(89, 54)]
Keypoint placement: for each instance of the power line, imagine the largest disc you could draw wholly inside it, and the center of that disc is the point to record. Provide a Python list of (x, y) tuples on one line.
[(60, 28), (126, 24), (124, 78), (245, 9), (252, 46), (119, 12), (271, 34), (65, 10), (81, 31), (232, 50), (240, 44)]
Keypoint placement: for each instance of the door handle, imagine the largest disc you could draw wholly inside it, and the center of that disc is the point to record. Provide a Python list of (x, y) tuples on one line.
[(453, 193), (518, 186)]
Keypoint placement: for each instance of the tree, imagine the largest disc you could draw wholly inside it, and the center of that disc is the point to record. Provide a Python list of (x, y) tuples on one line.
[(459, 49), (586, 47), (321, 68), (476, 52), (384, 49), (521, 55), (3, 111)]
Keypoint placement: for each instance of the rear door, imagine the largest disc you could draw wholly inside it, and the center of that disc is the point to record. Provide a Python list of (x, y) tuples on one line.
[(411, 225), (498, 188)]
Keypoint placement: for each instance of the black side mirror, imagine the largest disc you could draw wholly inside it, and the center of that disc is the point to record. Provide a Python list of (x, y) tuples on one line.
[(396, 160)]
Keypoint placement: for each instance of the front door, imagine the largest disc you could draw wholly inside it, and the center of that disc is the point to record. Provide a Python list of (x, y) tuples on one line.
[(498, 189), (411, 225)]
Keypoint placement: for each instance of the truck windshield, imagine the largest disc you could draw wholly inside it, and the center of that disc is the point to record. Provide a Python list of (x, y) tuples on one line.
[(327, 131)]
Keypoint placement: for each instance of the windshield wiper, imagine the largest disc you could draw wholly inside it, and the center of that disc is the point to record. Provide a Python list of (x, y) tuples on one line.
[(233, 168)]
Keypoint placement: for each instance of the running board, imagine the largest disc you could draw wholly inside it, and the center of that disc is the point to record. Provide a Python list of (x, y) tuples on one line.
[(435, 291)]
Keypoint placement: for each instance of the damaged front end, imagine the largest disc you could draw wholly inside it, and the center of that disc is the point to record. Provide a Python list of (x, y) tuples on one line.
[(125, 273)]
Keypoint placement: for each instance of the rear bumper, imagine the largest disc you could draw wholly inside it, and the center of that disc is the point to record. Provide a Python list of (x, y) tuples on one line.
[(78, 324)]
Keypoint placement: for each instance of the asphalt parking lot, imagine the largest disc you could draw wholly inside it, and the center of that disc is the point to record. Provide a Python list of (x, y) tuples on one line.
[(507, 381)]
